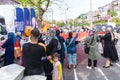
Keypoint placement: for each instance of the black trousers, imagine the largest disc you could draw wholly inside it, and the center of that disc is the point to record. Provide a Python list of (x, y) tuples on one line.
[(90, 63), (49, 77)]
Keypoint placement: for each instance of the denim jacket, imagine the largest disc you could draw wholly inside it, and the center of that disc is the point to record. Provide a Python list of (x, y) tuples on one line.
[(71, 46)]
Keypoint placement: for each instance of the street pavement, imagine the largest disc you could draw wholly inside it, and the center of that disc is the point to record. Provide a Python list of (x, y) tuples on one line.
[(82, 73)]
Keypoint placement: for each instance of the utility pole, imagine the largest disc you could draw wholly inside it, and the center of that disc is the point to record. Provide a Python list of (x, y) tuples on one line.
[(91, 14), (52, 17), (66, 16)]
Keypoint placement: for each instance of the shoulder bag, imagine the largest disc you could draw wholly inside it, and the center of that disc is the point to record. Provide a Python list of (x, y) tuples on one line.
[(87, 48)]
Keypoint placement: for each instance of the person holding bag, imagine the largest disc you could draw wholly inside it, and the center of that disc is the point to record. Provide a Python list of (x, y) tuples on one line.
[(110, 52), (93, 53), (71, 50)]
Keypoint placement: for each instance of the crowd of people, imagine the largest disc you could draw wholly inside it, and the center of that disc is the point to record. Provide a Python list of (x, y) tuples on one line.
[(44, 54)]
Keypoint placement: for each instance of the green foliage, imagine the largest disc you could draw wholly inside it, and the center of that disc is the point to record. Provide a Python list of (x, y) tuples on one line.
[(116, 20), (38, 5), (75, 23), (112, 13), (60, 24), (100, 22), (84, 23), (70, 23)]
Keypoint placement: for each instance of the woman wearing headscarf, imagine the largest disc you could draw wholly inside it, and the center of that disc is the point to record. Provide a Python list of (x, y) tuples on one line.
[(9, 46), (110, 52), (93, 54), (62, 50), (51, 44)]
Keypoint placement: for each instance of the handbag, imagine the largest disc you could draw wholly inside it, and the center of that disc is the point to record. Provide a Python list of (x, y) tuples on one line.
[(17, 50), (115, 41), (87, 48)]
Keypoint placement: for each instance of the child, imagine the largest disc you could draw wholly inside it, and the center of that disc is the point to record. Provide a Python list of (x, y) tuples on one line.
[(57, 67), (23, 40)]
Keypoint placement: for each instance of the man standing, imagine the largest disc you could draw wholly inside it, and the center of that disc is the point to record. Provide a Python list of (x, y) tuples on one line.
[(33, 55)]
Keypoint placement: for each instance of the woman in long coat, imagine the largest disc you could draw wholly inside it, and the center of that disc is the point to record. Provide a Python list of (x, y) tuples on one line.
[(62, 50), (93, 54), (110, 52), (9, 46), (51, 43)]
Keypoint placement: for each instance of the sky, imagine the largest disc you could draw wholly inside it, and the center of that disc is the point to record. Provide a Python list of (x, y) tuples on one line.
[(75, 8)]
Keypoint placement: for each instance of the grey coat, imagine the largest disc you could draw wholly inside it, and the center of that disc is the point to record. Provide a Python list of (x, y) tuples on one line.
[(93, 53)]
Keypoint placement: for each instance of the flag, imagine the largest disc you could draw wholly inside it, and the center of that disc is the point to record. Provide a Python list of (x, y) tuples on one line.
[(33, 18), (19, 20), (26, 14)]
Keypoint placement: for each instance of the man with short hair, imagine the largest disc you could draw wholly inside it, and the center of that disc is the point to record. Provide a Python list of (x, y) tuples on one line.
[(33, 55)]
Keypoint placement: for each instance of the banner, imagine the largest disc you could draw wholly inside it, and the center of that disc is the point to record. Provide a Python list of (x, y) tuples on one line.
[(26, 14), (33, 18), (19, 20)]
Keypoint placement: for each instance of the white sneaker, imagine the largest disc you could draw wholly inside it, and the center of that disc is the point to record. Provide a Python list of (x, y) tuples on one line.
[(95, 67), (88, 67)]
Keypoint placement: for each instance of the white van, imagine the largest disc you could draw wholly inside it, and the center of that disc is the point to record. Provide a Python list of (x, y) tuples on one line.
[(3, 30)]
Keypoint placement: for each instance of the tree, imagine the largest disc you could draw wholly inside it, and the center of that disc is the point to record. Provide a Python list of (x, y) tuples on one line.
[(83, 21), (40, 7), (60, 24), (116, 21), (112, 13)]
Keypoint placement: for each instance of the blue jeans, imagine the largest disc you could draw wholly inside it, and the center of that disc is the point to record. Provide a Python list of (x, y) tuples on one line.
[(72, 58)]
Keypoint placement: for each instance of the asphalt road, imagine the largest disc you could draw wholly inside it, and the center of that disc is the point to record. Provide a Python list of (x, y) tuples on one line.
[(82, 73)]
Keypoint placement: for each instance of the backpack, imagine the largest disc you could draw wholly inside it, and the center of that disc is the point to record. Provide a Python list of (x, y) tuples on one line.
[(59, 44)]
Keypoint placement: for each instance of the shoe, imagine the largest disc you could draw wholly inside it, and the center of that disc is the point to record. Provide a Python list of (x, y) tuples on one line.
[(74, 66), (69, 67), (106, 66), (95, 67), (88, 67), (111, 64)]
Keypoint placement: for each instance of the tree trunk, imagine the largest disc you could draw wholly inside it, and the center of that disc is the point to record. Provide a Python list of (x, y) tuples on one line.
[(39, 20)]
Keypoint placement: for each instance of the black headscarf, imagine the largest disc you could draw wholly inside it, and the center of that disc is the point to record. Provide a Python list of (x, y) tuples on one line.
[(70, 35), (58, 34)]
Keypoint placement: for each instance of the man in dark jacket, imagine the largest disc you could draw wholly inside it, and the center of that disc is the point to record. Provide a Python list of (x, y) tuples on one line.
[(33, 55)]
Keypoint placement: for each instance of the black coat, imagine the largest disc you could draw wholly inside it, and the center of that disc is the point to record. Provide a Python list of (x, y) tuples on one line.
[(9, 52), (61, 40), (109, 48), (51, 49)]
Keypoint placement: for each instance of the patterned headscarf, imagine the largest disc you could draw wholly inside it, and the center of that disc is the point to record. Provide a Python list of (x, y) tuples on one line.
[(50, 37)]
